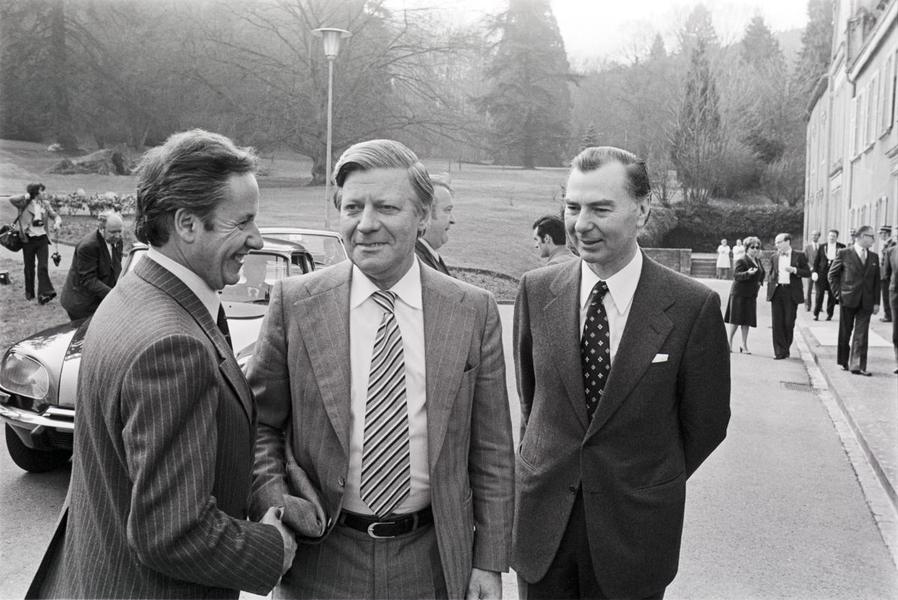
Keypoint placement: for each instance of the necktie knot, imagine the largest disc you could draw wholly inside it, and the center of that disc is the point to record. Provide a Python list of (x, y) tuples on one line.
[(385, 299), (598, 292)]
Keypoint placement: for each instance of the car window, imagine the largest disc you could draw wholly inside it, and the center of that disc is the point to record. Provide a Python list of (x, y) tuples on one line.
[(258, 274), (326, 250)]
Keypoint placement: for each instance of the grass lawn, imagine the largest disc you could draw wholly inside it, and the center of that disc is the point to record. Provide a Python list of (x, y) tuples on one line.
[(494, 208)]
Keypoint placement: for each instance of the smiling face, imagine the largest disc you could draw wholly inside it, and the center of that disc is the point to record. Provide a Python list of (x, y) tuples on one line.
[(832, 237), (380, 220), (602, 218), (217, 255)]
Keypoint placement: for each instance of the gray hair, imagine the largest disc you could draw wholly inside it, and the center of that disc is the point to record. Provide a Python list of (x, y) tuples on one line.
[(595, 157), (189, 171), (385, 154)]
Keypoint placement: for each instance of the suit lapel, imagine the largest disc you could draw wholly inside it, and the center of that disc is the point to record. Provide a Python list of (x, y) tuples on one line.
[(325, 332), (562, 317), (165, 280), (448, 326), (647, 328)]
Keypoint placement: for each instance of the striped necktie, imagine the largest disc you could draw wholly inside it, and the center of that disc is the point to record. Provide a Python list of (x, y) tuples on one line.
[(386, 471)]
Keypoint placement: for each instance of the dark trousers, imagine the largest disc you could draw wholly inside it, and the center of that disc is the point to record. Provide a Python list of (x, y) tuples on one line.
[(886, 306), (807, 294), (822, 287), (784, 311), (37, 248), (854, 326), (571, 574)]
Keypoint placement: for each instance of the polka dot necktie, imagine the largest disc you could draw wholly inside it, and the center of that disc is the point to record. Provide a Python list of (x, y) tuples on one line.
[(595, 349), (386, 468)]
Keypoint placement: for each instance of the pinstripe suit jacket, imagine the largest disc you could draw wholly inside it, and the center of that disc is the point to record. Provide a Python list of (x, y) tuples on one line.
[(665, 408), (300, 377), (162, 455)]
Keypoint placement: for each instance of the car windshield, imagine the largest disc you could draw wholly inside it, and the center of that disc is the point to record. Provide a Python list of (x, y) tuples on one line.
[(325, 250), (258, 274)]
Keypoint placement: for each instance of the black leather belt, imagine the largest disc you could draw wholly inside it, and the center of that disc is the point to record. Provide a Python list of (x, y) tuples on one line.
[(389, 527)]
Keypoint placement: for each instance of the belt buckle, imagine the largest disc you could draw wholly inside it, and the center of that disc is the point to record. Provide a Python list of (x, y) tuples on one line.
[(371, 532)]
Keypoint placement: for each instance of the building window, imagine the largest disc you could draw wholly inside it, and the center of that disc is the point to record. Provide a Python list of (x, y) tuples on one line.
[(888, 95), (872, 110)]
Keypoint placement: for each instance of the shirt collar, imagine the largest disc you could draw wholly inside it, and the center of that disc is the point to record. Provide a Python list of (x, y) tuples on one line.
[(407, 289), (859, 249), (209, 297), (621, 285)]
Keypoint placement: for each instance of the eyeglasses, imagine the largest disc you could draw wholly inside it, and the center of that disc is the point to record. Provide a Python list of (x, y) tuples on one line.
[(869, 235), (755, 247)]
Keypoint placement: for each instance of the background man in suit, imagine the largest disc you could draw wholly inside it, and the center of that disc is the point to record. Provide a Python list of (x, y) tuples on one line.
[(95, 268), (549, 237), (784, 292), (826, 254), (854, 279), (810, 251), (380, 343), (164, 434), (891, 268), (615, 420), (885, 236), (437, 232)]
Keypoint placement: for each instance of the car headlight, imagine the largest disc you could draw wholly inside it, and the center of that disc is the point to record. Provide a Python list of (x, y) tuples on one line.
[(25, 376)]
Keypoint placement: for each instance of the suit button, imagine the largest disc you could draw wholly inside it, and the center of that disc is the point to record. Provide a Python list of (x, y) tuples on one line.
[(572, 489), (341, 482)]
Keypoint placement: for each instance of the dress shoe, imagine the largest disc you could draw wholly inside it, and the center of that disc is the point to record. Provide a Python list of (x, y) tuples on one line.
[(829, 317), (46, 297), (29, 297), (780, 357), (844, 367), (861, 372), (816, 318)]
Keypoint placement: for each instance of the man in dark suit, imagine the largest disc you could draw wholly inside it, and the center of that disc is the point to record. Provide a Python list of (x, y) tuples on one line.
[(164, 431), (784, 293), (888, 242), (623, 395), (826, 254), (437, 232), (810, 251), (854, 279), (551, 240), (377, 344), (891, 268), (95, 268)]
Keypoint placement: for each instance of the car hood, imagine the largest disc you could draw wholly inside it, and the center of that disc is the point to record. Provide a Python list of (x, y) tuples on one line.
[(59, 350)]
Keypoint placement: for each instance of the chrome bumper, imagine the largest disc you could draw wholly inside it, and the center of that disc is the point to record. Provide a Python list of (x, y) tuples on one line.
[(59, 419)]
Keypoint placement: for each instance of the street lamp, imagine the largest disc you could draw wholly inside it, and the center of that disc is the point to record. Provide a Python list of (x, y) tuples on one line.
[(331, 37)]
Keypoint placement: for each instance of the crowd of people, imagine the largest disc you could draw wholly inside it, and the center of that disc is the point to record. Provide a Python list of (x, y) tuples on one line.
[(367, 452)]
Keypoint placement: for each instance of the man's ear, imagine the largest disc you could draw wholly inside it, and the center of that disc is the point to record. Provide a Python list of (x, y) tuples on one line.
[(186, 225)]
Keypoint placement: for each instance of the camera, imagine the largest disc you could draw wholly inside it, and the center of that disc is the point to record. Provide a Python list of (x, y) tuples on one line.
[(38, 222), (57, 258)]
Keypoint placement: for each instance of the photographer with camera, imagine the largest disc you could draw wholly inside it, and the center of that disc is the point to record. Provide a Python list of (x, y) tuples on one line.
[(34, 215)]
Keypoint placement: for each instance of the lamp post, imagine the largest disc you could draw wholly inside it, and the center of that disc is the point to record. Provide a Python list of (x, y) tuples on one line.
[(331, 37)]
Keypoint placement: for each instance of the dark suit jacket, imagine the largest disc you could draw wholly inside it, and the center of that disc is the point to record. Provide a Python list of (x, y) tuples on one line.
[(884, 260), (665, 408), (820, 266), (163, 455), (811, 252), (855, 285), (300, 375), (800, 262), (892, 277), (92, 274), (428, 259), (746, 284)]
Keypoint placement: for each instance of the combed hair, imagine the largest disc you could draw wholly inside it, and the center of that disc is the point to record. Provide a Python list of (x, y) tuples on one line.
[(33, 189), (552, 226), (595, 157), (385, 154), (863, 229), (189, 171)]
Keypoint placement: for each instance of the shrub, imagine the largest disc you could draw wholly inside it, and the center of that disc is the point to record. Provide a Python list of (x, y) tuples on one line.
[(701, 227)]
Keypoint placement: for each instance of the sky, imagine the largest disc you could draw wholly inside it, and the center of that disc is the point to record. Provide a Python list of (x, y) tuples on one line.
[(619, 29)]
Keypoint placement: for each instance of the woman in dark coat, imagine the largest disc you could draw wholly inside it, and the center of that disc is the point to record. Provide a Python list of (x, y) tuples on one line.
[(748, 275)]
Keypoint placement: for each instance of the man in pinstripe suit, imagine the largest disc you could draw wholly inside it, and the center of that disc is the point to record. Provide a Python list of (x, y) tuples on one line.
[(165, 425), (382, 344)]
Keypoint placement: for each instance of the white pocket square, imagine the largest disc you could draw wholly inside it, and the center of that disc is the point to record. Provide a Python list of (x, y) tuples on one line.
[(660, 358)]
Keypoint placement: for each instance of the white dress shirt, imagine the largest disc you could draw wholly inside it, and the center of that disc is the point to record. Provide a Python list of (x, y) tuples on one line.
[(618, 300), (209, 297), (831, 252), (364, 319), (783, 262)]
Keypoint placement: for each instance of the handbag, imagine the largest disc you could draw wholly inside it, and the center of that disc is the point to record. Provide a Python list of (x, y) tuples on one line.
[(11, 237)]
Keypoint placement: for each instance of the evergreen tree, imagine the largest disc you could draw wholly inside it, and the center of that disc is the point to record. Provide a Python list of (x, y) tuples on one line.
[(698, 139), (528, 98), (698, 29), (657, 52), (759, 48), (590, 137), (816, 45)]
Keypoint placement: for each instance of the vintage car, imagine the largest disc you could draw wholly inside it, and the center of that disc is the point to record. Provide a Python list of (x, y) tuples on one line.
[(39, 375), (326, 246)]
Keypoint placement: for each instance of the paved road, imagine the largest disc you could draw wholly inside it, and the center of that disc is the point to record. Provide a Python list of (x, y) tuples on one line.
[(776, 512)]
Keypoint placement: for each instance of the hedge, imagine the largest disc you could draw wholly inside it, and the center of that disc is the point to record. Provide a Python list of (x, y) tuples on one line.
[(701, 227)]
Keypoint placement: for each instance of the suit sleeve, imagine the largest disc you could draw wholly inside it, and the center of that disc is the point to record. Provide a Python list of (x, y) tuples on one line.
[(704, 385), (169, 402), (268, 377), (523, 354), (834, 275), (802, 269), (740, 271), (86, 262), (491, 459)]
